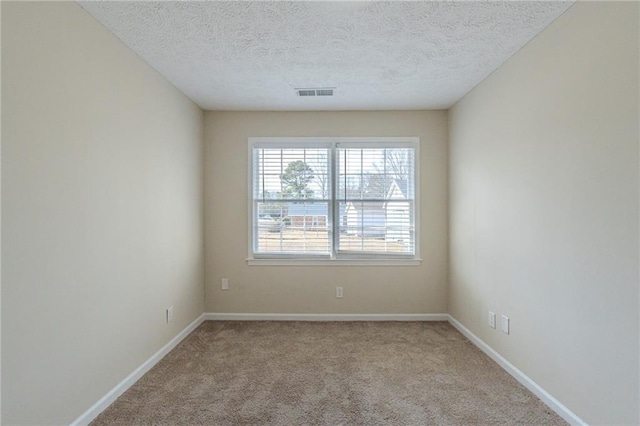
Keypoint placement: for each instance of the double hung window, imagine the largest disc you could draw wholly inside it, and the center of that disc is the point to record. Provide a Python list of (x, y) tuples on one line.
[(333, 199)]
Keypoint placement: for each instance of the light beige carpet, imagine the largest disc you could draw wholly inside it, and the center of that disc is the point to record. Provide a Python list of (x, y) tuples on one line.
[(327, 373)]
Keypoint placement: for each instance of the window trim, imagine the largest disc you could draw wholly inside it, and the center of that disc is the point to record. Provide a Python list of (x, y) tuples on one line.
[(332, 143)]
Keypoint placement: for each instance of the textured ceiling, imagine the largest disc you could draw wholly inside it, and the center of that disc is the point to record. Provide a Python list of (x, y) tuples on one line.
[(379, 55)]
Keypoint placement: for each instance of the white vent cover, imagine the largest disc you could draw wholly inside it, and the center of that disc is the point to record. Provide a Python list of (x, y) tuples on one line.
[(316, 91)]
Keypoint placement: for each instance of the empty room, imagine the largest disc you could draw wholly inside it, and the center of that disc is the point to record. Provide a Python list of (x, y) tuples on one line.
[(320, 213)]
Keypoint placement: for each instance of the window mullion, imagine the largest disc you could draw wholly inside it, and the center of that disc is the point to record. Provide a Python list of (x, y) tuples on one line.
[(333, 200)]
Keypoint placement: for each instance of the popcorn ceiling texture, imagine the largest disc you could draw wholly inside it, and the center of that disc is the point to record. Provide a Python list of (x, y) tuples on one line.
[(379, 55)]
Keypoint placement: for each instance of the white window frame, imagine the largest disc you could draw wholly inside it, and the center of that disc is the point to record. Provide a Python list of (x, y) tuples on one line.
[(334, 258)]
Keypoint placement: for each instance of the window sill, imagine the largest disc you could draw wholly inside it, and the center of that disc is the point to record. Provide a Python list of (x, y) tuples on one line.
[(334, 262)]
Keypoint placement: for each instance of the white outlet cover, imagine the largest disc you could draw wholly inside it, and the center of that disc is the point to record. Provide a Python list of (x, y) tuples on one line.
[(492, 319), (505, 324), (170, 314), (339, 292), (225, 284)]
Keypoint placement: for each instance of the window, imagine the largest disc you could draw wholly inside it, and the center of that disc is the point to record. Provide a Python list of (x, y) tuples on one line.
[(327, 200)]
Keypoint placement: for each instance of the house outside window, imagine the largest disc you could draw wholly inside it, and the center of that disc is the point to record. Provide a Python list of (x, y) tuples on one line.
[(333, 200)]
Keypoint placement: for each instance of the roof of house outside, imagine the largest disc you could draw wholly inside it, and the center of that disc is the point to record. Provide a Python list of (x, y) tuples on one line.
[(402, 185)]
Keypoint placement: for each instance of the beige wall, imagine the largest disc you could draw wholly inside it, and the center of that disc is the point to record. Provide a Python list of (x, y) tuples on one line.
[(101, 211), (544, 210), (307, 289)]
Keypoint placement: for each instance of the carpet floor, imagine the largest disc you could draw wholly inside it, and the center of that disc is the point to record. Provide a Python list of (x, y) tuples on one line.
[(327, 373)]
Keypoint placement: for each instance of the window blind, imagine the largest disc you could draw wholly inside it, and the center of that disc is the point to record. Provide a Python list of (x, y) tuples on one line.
[(376, 192), (291, 201), (333, 199)]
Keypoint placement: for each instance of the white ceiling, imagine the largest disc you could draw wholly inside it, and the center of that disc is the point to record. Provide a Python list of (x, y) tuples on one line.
[(379, 55)]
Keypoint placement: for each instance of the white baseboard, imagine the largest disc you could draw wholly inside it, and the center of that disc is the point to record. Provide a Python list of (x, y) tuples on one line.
[(525, 380), (128, 381), (325, 317)]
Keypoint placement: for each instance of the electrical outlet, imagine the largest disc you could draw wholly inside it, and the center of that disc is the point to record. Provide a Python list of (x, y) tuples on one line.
[(492, 319), (225, 284), (339, 292), (505, 324), (170, 314)]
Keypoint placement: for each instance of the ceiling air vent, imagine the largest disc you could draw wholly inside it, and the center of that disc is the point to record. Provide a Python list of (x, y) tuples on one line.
[(323, 91)]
